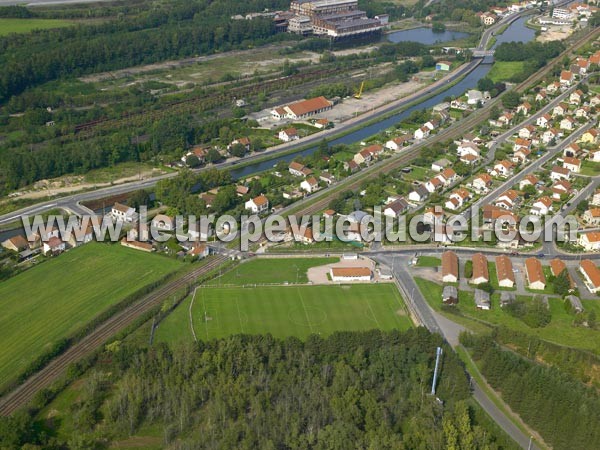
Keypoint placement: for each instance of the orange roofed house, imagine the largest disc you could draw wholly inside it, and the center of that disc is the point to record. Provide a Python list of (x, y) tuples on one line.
[(591, 275), (504, 270), (449, 267), (480, 269), (535, 274)]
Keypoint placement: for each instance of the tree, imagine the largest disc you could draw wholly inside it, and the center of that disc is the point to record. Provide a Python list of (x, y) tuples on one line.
[(238, 150), (511, 99), (213, 156), (192, 161), (485, 84), (562, 283)]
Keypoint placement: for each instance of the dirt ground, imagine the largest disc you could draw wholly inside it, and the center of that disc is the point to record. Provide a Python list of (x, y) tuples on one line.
[(555, 33), (318, 275)]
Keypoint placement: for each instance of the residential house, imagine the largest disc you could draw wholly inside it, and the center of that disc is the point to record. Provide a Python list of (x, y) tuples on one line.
[(505, 272), (505, 119), (395, 208), (310, 185), (521, 143), (566, 78), (433, 215), (596, 198), (422, 133), (457, 199), (527, 132), (432, 124), (449, 267), (241, 190), (529, 180), (244, 141), (258, 204), (480, 269), (576, 97), (541, 207), (572, 150), (420, 194), (544, 121), (198, 251), (440, 165), (521, 156), (553, 88), (288, 135), (589, 137), (123, 213), (535, 274), (53, 246), (443, 66), (550, 135), (560, 110), (508, 200), (434, 184), (296, 169), (326, 177), (503, 169), (591, 275), (524, 108), (16, 243), (594, 155), (592, 216), (351, 166), (448, 176), (163, 222), (589, 241), (469, 159), (482, 182), (467, 148), (572, 164), (304, 235), (560, 188), (541, 96), (568, 123), (560, 173), (396, 144)]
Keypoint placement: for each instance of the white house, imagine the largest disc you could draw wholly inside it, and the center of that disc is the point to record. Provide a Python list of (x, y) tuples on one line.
[(541, 206), (590, 241), (419, 194), (572, 164), (422, 133), (560, 173), (288, 135), (123, 213), (258, 204), (544, 121), (53, 246), (504, 168), (482, 182), (568, 123), (163, 222), (395, 208), (310, 185)]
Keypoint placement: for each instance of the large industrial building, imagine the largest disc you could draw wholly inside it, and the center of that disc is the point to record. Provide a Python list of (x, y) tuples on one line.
[(333, 18)]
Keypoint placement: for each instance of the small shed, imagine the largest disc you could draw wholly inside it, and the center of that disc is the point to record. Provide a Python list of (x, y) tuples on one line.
[(506, 298), (482, 300), (450, 295)]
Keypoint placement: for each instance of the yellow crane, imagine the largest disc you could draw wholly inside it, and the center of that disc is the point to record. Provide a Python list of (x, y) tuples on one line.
[(358, 95)]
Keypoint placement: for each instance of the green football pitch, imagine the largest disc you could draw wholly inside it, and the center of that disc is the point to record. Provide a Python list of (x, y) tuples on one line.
[(283, 311)]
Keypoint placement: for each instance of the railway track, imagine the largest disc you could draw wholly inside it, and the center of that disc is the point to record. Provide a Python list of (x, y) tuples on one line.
[(452, 132), (23, 394)]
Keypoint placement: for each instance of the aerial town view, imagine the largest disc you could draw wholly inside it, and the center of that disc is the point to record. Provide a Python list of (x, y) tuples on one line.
[(305, 224)]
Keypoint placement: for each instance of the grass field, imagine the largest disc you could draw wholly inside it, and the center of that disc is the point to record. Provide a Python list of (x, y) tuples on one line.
[(51, 301), (560, 330), (429, 261), (8, 26), (503, 70), (286, 311), (269, 271)]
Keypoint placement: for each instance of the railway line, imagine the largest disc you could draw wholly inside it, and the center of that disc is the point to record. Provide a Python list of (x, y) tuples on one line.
[(23, 394)]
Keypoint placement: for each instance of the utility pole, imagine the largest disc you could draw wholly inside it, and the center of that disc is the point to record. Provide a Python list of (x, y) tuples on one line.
[(435, 371)]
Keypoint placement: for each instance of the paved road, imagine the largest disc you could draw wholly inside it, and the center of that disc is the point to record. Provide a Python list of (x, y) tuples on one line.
[(437, 323)]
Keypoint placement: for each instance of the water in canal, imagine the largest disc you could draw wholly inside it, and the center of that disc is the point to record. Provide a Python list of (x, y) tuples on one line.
[(425, 36)]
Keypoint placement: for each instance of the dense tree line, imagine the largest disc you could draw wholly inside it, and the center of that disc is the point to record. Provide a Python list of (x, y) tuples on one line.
[(562, 409), (540, 52), (350, 390), (170, 31)]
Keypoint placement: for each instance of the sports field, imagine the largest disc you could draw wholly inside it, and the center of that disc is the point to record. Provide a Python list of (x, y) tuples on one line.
[(8, 26), (285, 311), (264, 271), (55, 299)]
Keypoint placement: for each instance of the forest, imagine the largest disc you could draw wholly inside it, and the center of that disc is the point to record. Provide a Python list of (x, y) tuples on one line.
[(351, 390), (561, 408)]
